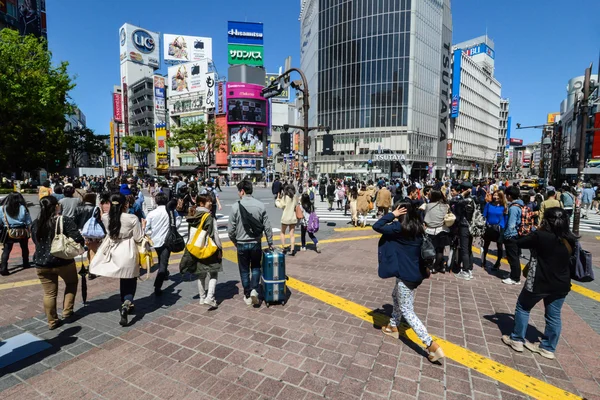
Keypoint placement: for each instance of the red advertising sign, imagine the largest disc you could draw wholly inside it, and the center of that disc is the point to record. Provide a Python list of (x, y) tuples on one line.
[(117, 111), (125, 109), (515, 142), (596, 145), (221, 98)]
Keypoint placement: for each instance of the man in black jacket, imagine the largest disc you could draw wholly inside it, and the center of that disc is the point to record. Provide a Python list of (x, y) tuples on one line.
[(276, 188), (464, 208)]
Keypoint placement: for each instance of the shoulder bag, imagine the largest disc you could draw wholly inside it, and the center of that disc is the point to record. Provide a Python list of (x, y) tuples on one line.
[(202, 246), (145, 252), (174, 241), (93, 228), (63, 246), (449, 218), (14, 233)]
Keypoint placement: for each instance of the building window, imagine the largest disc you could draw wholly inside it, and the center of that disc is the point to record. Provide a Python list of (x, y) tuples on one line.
[(11, 10)]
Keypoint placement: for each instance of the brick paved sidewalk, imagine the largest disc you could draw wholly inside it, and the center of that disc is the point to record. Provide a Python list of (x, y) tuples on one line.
[(304, 350)]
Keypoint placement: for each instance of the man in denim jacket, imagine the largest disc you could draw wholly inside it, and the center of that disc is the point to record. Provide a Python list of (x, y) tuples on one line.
[(511, 234)]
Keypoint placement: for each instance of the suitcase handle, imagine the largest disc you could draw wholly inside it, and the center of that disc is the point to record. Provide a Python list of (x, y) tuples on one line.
[(273, 282)]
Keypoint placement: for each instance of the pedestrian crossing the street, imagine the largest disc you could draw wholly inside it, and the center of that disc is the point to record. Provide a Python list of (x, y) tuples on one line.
[(591, 224)]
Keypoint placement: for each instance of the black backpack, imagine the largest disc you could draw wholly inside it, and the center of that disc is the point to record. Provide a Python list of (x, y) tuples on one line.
[(469, 209), (174, 241), (253, 227)]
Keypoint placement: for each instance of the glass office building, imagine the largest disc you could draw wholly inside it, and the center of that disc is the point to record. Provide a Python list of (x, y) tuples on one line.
[(379, 79)]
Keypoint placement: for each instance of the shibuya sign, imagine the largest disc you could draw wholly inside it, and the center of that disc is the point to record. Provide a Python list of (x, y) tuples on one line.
[(390, 157)]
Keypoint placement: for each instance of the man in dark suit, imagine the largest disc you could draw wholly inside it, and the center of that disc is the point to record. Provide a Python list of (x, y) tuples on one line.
[(276, 188)]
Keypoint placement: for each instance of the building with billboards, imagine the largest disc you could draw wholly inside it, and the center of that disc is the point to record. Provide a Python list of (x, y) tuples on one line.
[(247, 129), (26, 16), (379, 77), (474, 111)]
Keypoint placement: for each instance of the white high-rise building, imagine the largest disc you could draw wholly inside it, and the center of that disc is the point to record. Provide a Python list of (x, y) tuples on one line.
[(475, 110), (503, 128)]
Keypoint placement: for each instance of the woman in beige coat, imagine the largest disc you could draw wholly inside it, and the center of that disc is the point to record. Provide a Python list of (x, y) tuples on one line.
[(363, 204), (352, 199), (117, 256), (288, 201)]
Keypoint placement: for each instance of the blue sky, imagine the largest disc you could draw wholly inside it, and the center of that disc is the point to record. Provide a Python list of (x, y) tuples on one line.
[(540, 44)]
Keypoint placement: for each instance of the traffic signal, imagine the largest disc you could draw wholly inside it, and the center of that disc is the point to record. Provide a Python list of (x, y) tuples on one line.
[(285, 145), (328, 144)]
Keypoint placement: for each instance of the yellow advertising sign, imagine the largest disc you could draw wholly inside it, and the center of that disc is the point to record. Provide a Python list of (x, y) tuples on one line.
[(552, 118), (162, 159), (112, 140)]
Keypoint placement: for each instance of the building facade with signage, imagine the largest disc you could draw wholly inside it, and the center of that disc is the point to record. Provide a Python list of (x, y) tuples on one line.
[(472, 145), (27, 17), (379, 78)]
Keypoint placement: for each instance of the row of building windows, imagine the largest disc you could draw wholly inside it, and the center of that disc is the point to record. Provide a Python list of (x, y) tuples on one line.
[(346, 8), (366, 96), (366, 49), (368, 73), (362, 26), (365, 118)]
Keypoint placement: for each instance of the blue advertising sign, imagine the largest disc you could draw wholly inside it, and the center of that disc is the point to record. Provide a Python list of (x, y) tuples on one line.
[(481, 48), (245, 32), (454, 106), (508, 131)]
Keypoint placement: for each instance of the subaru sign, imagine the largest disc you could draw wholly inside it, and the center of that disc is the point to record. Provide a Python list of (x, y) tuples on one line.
[(245, 33), (143, 41)]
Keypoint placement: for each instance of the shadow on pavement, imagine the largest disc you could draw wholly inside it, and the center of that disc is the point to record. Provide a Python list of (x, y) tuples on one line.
[(64, 338), (506, 322)]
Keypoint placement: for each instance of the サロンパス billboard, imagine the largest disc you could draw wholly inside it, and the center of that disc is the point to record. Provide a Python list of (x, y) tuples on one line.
[(245, 33), (186, 48), (188, 78), (245, 54), (139, 45)]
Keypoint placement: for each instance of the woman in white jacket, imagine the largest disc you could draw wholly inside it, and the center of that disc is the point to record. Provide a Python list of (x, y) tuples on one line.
[(117, 256)]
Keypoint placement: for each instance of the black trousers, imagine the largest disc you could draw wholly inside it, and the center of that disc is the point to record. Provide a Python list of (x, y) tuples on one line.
[(465, 248), (8, 246), (512, 255), (163, 265), (127, 288)]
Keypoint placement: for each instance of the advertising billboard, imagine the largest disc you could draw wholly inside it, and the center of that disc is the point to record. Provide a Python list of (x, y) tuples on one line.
[(246, 110), (188, 78), (139, 45), (515, 142), (159, 93), (480, 48), (455, 104), (211, 96), (553, 117), (162, 159), (245, 54), (245, 32), (596, 136), (117, 110), (284, 96), (186, 48), (112, 143), (246, 140), (221, 98)]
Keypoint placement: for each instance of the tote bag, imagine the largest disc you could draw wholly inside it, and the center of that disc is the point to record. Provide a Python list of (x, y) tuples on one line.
[(63, 246), (202, 246)]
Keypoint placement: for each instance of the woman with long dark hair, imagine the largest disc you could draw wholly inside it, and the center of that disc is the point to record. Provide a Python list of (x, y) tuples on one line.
[(352, 199), (548, 278), (117, 256), (307, 209), (14, 214), (287, 201), (496, 216), (435, 212), (400, 257), (50, 268)]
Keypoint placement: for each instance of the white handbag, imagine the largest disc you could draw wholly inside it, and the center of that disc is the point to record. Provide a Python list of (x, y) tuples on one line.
[(63, 246)]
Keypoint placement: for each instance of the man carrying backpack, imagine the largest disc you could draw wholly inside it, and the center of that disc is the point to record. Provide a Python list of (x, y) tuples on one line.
[(511, 234), (464, 208), (247, 224)]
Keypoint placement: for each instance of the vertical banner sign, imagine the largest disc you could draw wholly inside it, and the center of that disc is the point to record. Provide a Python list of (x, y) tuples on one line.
[(444, 90), (117, 110), (456, 84), (210, 90), (596, 136), (125, 108), (162, 160), (159, 93), (508, 122), (221, 98), (112, 143)]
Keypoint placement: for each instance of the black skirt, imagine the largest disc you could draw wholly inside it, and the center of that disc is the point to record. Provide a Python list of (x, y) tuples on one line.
[(440, 240)]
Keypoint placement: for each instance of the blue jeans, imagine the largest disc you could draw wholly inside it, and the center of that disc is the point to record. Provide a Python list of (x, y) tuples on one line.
[(552, 304), (249, 258)]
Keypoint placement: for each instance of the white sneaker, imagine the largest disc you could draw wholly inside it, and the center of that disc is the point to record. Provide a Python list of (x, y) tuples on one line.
[(254, 297), (535, 347), (463, 275), (509, 281), (202, 300), (210, 302), (248, 301), (470, 274), (516, 345), (303, 249)]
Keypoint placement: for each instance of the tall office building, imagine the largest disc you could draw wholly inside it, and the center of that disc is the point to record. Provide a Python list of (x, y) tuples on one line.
[(379, 78), (474, 111), (503, 128), (28, 17)]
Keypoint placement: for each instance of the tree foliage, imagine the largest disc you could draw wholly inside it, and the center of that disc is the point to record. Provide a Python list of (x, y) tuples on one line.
[(138, 146), (200, 138), (33, 103), (82, 142)]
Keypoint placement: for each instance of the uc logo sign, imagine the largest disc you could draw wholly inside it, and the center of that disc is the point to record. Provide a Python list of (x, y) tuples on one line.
[(143, 41)]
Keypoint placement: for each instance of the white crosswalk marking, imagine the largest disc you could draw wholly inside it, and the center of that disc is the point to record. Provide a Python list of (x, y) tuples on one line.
[(591, 224), (338, 215)]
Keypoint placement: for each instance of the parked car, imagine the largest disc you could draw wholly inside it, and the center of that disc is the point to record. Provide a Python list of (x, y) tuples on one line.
[(528, 184)]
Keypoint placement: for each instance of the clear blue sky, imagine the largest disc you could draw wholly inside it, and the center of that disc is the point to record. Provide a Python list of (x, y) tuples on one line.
[(540, 44)]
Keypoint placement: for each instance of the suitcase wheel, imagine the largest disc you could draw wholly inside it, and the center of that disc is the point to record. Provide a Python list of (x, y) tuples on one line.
[(267, 304)]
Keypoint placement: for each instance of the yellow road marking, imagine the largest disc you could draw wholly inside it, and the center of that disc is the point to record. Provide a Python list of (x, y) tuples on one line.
[(574, 287), (517, 380), (597, 237), (352, 229), (17, 284)]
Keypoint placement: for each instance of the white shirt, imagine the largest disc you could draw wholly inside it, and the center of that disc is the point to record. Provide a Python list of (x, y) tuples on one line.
[(157, 225)]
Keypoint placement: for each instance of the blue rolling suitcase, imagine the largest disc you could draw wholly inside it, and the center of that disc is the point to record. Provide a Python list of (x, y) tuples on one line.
[(273, 278)]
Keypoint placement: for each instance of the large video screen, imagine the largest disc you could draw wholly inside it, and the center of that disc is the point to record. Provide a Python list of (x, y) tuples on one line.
[(246, 140), (247, 110)]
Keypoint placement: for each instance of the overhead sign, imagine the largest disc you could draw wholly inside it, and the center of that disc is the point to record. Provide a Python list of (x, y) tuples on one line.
[(245, 33), (245, 54), (139, 45), (390, 157), (284, 94), (188, 78), (271, 92), (515, 142), (186, 48)]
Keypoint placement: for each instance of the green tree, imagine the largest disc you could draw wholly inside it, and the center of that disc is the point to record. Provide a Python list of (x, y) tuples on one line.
[(201, 138), (33, 103), (82, 142), (138, 147)]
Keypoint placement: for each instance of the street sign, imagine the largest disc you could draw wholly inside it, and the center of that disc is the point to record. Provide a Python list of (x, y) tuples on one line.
[(271, 91)]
